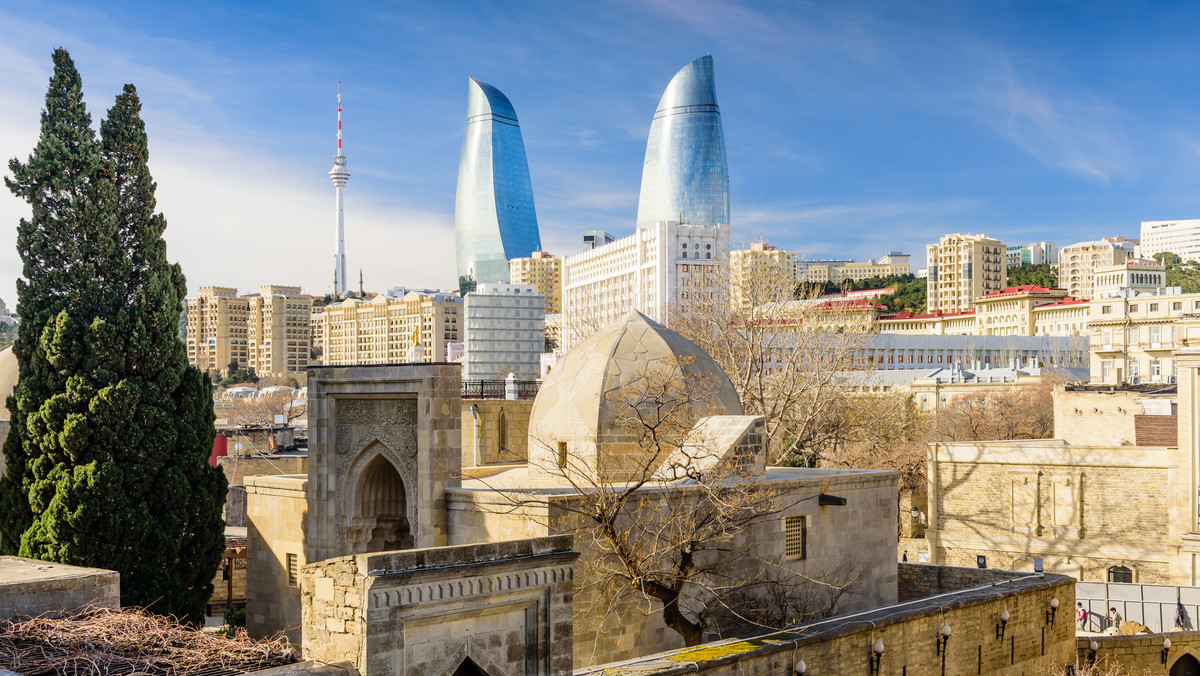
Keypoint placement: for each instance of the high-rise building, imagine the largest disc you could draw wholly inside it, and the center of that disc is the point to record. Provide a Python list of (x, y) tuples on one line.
[(278, 330), (760, 274), (963, 268), (544, 273), (339, 174), (685, 177), (648, 271), (1038, 253), (381, 330), (216, 329), (1077, 264), (494, 218), (505, 332), (1178, 237)]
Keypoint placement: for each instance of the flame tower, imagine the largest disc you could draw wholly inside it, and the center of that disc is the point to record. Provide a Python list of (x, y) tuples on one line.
[(340, 174)]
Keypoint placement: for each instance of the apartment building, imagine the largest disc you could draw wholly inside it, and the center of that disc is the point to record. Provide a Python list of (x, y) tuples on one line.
[(544, 273), (504, 332), (1134, 336), (1178, 237), (962, 268), (836, 272), (278, 330), (382, 330), (1037, 253), (760, 274), (1077, 263), (217, 333), (658, 270)]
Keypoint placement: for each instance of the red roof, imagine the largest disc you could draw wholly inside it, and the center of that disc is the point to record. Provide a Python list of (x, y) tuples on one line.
[(933, 315), (1066, 301), (1021, 290)]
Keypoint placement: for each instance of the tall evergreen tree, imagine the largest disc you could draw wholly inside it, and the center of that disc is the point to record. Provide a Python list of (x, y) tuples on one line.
[(111, 427)]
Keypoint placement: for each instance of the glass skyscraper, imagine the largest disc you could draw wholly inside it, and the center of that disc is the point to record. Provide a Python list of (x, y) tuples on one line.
[(685, 176), (494, 220)]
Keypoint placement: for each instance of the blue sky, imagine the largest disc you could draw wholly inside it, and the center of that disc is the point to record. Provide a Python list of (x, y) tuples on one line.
[(852, 128)]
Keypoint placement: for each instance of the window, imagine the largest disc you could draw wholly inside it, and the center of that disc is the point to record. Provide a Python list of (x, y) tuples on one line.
[(1133, 307), (1106, 310), (795, 538), (1155, 369), (293, 570), (1105, 369), (1120, 574), (1155, 336), (1176, 306), (1154, 307), (562, 455)]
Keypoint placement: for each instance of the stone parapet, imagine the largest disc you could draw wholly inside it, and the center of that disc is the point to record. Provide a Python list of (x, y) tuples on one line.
[(31, 587)]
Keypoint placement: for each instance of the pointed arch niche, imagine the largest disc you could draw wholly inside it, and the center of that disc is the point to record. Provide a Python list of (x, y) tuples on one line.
[(379, 521)]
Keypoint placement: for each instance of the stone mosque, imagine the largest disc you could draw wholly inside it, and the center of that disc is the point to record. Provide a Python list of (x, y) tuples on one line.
[(391, 557)]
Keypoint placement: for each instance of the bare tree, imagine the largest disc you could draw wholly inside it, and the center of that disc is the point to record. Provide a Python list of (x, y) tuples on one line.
[(668, 520), (261, 410), (1011, 413), (790, 359)]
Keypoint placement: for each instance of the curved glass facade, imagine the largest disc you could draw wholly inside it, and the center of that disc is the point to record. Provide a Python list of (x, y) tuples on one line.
[(494, 219), (685, 173)]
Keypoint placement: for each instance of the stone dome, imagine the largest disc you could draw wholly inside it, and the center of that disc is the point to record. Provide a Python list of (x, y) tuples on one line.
[(574, 403), (9, 371)]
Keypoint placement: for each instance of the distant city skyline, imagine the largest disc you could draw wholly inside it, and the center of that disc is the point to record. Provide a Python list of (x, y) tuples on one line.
[(851, 129)]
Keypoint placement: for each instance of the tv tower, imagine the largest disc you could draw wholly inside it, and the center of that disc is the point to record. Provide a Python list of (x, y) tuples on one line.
[(340, 174)]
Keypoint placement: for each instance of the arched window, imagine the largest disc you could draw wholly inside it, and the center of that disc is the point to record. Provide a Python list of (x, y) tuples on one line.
[(1120, 574), (502, 432)]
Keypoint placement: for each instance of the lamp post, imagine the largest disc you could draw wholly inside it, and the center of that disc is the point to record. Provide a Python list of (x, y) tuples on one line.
[(1050, 613), (876, 656), (1002, 624), (943, 639), (1166, 649)]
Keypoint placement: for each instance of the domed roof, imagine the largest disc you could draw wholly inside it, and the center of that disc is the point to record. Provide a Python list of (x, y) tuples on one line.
[(574, 400), (9, 371)]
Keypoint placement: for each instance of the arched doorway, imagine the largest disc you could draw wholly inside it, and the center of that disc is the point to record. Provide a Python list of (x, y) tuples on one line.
[(382, 509), (469, 668), (1186, 666)]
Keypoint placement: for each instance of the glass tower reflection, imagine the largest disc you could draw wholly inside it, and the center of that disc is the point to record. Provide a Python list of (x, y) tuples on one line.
[(494, 219), (685, 176)]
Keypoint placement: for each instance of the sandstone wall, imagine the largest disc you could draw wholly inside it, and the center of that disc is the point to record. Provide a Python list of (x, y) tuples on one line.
[(909, 632), (1141, 653), (238, 467), (31, 587), (277, 515), (491, 452)]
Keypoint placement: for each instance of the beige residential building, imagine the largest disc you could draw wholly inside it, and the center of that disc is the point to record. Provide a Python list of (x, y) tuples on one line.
[(381, 330), (963, 268), (278, 329), (821, 272), (760, 274), (217, 332), (1133, 338), (1009, 311), (544, 273), (1078, 263)]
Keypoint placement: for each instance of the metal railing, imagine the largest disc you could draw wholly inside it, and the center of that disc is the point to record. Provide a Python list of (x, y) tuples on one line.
[(498, 389)]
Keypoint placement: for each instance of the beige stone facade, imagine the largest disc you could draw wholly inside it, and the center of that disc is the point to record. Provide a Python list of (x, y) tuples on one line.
[(1133, 338), (217, 331), (495, 432), (31, 587), (543, 272), (843, 271), (759, 274), (380, 331), (963, 268), (276, 517), (503, 608), (278, 330), (1078, 263)]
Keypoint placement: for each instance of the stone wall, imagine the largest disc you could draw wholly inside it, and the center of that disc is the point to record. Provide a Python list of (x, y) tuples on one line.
[(238, 467), (31, 587), (277, 515), (1141, 653), (916, 580), (1082, 509), (909, 632), (627, 630), (506, 607), (488, 446), (1091, 418)]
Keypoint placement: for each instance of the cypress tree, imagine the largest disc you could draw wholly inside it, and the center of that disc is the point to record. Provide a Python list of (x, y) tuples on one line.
[(111, 428)]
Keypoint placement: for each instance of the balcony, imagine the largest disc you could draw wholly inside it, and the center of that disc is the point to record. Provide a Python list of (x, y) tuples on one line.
[(496, 389)]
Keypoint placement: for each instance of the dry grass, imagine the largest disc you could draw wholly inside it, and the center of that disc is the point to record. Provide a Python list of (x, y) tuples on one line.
[(130, 641)]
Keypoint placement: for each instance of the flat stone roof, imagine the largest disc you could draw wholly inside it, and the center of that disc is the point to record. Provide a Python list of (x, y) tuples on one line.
[(523, 479), (16, 570)]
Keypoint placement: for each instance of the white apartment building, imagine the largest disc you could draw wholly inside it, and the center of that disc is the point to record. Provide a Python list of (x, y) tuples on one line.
[(1077, 263), (657, 271), (1178, 237), (963, 268), (505, 332), (1137, 276)]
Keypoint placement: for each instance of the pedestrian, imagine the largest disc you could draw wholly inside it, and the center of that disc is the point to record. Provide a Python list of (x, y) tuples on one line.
[(904, 557), (1081, 615), (1114, 618)]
